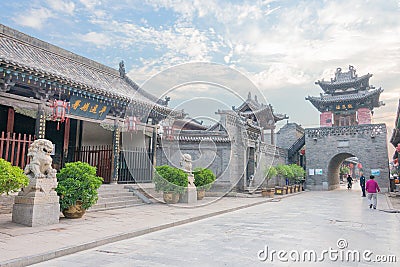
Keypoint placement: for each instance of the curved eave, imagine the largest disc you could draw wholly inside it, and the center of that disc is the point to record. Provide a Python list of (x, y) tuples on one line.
[(61, 79), (165, 111), (322, 103), (330, 87)]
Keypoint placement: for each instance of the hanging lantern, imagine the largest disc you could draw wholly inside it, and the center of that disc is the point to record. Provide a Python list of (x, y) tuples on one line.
[(60, 109), (131, 123)]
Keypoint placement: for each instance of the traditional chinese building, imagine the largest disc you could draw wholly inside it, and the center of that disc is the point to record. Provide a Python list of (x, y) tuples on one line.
[(237, 149), (346, 131), (90, 112), (347, 99)]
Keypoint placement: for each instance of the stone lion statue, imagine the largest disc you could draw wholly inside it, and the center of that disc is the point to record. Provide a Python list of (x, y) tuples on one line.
[(186, 162), (40, 159)]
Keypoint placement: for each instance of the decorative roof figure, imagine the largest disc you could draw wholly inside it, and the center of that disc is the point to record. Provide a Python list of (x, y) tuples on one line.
[(122, 69)]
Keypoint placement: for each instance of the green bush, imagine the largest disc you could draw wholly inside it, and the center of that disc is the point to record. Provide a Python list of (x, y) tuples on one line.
[(170, 179), (78, 181), (203, 178), (12, 178), (269, 173), (298, 172)]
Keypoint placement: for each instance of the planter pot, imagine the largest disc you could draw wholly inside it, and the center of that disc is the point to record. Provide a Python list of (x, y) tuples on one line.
[(201, 194), (171, 197), (285, 190), (268, 192), (74, 212), (279, 190)]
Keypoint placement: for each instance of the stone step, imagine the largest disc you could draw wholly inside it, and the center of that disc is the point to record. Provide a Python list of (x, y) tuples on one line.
[(102, 200), (115, 205), (121, 193)]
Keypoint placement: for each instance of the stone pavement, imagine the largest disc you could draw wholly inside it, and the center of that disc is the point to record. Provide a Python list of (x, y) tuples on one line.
[(21, 245), (339, 221)]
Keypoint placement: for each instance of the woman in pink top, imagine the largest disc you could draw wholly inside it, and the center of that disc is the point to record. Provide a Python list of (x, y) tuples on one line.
[(372, 188)]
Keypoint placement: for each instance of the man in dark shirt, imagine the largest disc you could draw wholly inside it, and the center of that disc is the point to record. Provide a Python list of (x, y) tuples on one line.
[(362, 184)]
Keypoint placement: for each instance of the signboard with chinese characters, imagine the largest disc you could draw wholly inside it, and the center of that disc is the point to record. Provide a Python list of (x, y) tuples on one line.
[(318, 171), (88, 108), (375, 172)]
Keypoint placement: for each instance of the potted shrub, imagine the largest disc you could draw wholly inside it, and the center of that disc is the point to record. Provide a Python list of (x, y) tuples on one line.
[(172, 181), (203, 179), (269, 173), (12, 178), (77, 188), (299, 173), (284, 171)]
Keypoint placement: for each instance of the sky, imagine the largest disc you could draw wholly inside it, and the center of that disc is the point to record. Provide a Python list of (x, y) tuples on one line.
[(282, 47)]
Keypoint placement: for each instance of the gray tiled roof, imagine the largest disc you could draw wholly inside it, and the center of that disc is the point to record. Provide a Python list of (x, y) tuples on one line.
[(345, 97), (31, 54)]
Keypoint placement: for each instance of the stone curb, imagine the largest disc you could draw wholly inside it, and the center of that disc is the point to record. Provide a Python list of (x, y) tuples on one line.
[(391, 206), (33, 259)]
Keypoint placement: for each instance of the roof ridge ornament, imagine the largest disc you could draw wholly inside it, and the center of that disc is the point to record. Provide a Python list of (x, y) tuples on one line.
[(122, 71)]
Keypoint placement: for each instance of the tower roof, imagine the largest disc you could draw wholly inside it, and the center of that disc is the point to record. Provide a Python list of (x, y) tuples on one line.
[(344, 81)]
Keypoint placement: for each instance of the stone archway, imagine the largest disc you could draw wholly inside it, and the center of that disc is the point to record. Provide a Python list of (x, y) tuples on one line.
[(333, 169), (327, 147)]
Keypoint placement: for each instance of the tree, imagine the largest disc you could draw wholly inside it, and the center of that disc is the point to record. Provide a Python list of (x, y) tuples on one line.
[(269, 173)]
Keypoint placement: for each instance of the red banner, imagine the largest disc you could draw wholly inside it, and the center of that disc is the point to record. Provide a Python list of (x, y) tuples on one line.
[(364, 116), (325, 119)]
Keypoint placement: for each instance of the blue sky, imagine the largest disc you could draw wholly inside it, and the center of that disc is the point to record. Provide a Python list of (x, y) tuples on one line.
[(283, 47)]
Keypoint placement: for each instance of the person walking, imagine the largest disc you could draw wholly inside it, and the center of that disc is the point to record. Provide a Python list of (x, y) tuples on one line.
[(362, 184), (372, 188), (349, 181)]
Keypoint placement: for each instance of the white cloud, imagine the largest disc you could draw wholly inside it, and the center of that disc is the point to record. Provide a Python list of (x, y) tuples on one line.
[(101, 40), (34, 18), (62, 6)]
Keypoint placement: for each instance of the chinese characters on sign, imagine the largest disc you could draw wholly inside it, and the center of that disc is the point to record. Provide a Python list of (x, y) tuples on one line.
[(88, 108), (343, 106)]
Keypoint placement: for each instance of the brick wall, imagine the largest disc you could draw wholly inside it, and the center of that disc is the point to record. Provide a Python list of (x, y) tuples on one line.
[(6, 203)]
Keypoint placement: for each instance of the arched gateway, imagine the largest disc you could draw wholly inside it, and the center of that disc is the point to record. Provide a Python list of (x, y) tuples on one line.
[(346, 108), (328, 147)]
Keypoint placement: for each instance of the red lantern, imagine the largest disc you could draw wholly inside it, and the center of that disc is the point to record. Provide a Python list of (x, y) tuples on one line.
[(60, 108), (359, 165), (303, 151), (131, 122), (351, 165)]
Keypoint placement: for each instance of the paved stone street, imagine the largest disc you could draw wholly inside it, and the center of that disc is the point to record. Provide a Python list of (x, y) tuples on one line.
[(310, 221)]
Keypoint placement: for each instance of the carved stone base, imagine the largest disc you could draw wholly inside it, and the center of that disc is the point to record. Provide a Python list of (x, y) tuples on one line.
[(36, 214), (190, 196), (37, 204)]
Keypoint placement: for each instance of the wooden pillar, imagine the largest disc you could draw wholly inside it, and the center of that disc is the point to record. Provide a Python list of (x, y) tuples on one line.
[(10, 120), (154, 143), (116, 148), (67, 127), (40, 127)]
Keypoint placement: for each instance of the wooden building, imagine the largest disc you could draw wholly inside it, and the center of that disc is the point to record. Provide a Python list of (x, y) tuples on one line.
[(89, 111), (347, 99)]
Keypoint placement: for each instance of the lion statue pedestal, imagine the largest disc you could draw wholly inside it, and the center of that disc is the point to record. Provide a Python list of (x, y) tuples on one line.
[(38, 203), (190, 195)]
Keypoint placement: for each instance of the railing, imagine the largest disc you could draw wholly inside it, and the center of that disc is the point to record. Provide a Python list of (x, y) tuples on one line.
[(135, 166), (14, 148), (98, 156), (296, 146), (370, 129)]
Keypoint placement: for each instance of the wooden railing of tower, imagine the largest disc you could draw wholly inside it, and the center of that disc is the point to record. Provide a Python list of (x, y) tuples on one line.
[(14, 148)]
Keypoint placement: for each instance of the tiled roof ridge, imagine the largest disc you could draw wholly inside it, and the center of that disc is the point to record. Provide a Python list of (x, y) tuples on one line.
[(50, 48)]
